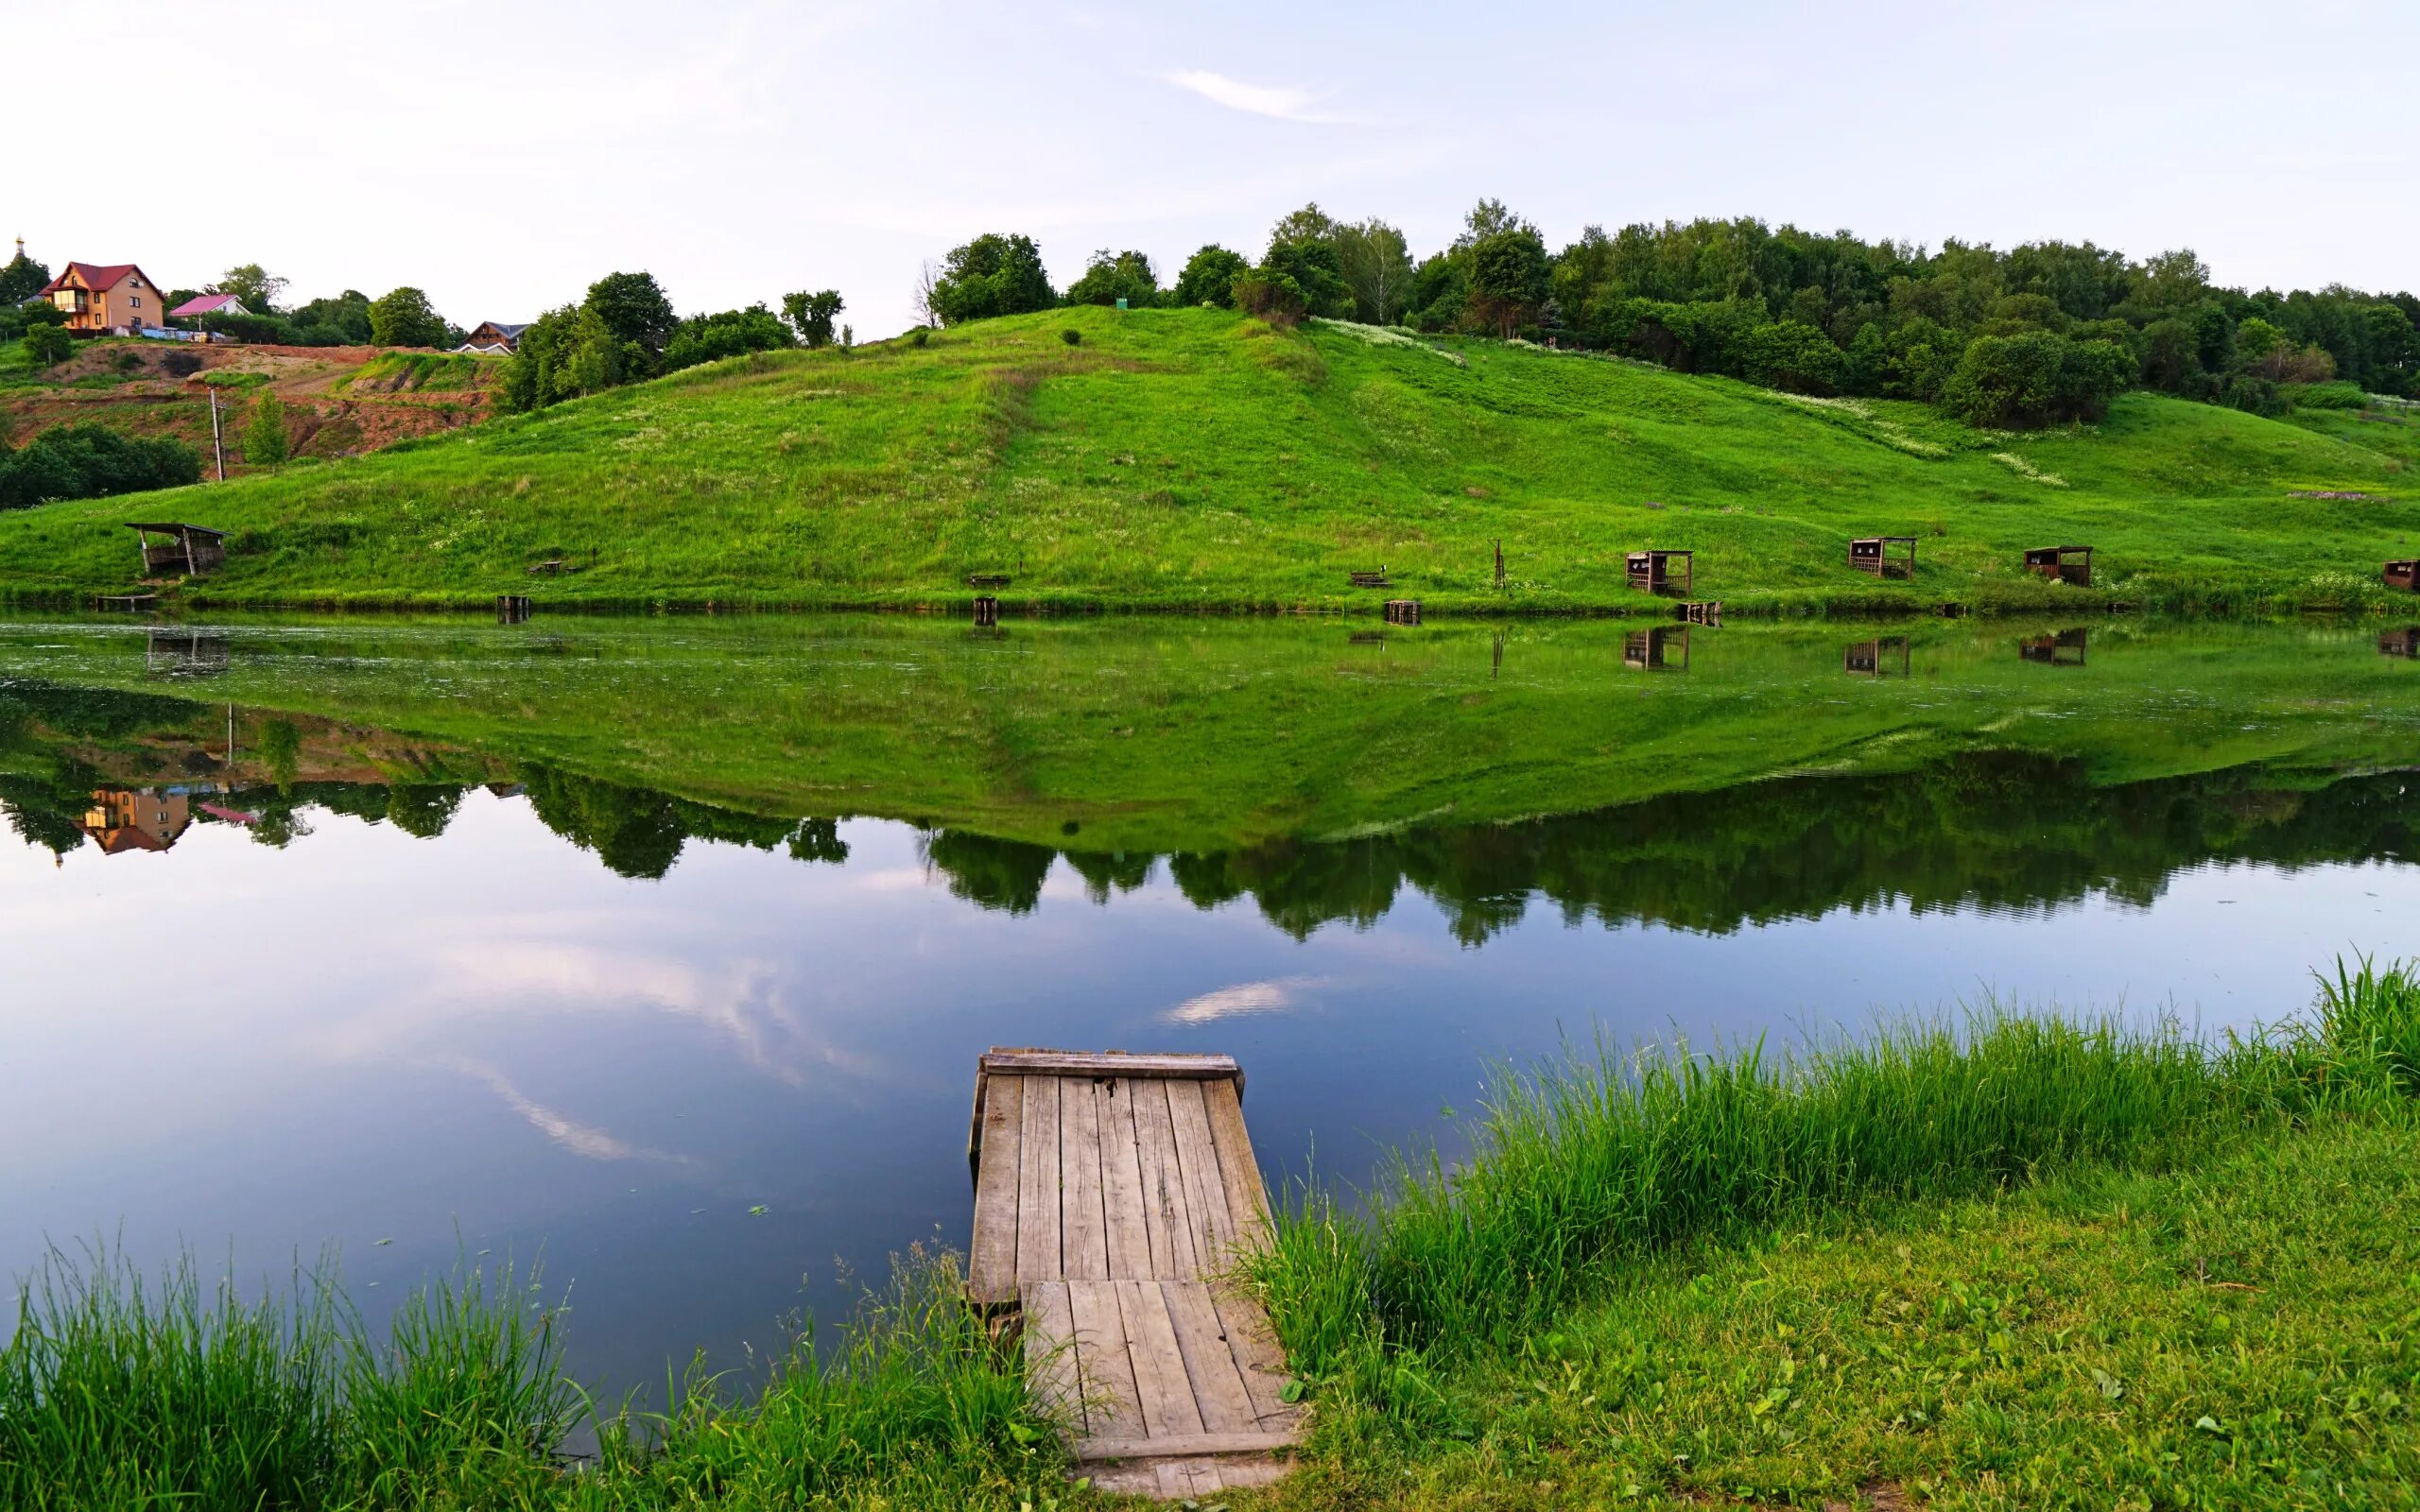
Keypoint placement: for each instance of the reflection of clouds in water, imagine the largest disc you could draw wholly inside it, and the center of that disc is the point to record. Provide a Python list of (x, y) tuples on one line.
[(739, 1001), (1276, 995), (579, 1137)]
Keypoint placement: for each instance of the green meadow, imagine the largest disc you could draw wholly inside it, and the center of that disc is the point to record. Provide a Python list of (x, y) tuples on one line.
[(1187, 459)]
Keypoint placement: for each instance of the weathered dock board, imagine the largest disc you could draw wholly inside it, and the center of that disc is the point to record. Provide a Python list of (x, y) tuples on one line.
[(1113, 1194)]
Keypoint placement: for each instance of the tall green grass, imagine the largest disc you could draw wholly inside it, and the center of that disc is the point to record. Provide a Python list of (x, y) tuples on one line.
[(1596, 1158), (122, 1391)]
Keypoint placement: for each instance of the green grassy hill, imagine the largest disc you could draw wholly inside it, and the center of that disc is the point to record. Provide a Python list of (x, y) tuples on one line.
[(1190, 459)]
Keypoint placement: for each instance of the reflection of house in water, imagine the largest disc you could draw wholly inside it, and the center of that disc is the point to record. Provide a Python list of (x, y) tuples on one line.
[(185, 653), (2400, 642), (2065, 649), (130, 818), (1665, 648)]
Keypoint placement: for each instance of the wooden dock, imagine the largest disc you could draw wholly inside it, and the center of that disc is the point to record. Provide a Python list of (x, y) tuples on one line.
[(1111, 1195)]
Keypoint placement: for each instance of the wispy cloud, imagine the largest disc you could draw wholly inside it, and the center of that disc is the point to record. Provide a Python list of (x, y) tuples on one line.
[(1276, 995), (1254, 99)]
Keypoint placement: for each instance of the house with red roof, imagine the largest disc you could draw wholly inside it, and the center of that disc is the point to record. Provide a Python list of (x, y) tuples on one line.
[(106, 297), (193, 309)]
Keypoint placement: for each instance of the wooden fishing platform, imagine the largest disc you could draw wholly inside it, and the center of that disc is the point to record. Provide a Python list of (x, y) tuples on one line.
[(1113, 1194)]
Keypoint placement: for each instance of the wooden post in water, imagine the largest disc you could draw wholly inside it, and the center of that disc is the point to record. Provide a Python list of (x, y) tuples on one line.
[(215, 444)]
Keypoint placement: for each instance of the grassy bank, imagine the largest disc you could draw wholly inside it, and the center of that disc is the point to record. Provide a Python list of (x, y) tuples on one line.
[(2036, 1264), (1184, 460)]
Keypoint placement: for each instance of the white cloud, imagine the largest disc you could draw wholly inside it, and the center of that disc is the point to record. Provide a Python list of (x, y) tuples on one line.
[(1254, 99), (1276, 995)]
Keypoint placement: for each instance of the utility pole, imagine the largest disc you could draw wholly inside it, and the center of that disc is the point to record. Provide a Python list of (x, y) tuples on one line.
[(215, 444)]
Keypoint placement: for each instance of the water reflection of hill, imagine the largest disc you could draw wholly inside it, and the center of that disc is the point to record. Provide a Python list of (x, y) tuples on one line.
[(1993, 829)]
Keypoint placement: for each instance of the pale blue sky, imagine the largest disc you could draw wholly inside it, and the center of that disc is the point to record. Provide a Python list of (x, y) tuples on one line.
[(502, 155)]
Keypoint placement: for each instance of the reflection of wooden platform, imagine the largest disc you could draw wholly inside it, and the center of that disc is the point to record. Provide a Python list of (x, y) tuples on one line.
[(1111, 1192)]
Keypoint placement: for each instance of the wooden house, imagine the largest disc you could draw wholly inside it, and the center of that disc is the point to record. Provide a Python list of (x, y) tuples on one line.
[(494, 338), (184, 551), (1884, 555), (1650, 571), (2062, 565), (106, 297), (2404, 574)]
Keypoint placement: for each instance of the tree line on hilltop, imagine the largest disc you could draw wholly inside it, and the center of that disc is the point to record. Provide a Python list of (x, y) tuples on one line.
[(624, 330), (2041, 334)]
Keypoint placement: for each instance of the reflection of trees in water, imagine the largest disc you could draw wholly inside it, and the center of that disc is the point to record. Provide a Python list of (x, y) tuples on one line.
[(1995, 831), (1992, 829)]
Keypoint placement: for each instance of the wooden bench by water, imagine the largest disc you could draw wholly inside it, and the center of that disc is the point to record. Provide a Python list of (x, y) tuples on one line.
[(1111, 1195)]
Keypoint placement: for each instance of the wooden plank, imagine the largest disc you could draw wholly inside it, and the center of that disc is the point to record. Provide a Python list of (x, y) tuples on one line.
[(1121, 1180), (1219, 1391), (1050, 1354), (1258, 1359), (1179, 1444), (1176, 1478), (1111, 1407), (1167, 1217), (1238, 1172), (991, 1264), (1038, 1182), (1160, 1382), (1105, 1063), (1083, 1243), (1214, 1227)]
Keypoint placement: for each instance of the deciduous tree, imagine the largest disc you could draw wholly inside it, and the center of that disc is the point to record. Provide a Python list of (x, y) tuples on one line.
[(404, 318), (1209, 278), (812, 314)]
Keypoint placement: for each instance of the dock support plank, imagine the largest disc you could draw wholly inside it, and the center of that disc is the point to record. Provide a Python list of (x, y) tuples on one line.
[(1038, 1256), (1084, 1240), (1050, 1352), (1205, 1194), (1160, 1380), (1112, 1409), (1247, 1198), (991, 1264), (1121, 1180), (1218, 1389), (1167, 1217)]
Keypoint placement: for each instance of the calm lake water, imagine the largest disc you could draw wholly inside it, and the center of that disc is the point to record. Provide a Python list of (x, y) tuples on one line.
[(587, 938)]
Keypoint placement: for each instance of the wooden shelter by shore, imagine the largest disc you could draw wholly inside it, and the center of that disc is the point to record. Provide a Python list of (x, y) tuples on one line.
[(1113, 1192), (2403, 574), (184, 551), (1650, 571), (1884, 555), (2062, 565)]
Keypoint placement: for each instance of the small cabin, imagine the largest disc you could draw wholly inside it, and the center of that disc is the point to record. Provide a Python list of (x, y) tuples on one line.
[(2404, 574), (1650, 571), (180, 550), (2065, 649), (2062, 565), (2400, 642), (1884, 657), (1665, 648), (1884, 555)]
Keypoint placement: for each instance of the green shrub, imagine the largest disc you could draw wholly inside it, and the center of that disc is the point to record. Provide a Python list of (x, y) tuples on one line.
[(92, 462), (1072, 336), (919, 337), (2338, 395)]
